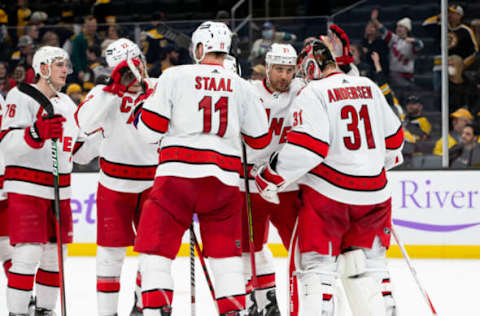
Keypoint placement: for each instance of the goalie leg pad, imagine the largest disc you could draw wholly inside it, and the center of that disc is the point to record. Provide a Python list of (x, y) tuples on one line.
[(21, 276), (109, 268), (229, 284), (47, 279), (317, 280), (6, 254), (366, 281), (157, 284)]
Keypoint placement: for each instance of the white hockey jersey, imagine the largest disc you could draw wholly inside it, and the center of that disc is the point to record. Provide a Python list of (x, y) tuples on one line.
[(126, 163), (199, 112), (278, 106), (344, 135), (3, 195), (28, 170)]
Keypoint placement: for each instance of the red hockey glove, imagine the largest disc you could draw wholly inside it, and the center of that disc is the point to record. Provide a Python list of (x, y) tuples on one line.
[(44, 128), (114, 84), (346, 57), (268, 182)]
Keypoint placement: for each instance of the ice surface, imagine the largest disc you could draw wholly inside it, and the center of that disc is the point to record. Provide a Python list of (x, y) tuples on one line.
[(452, 285)]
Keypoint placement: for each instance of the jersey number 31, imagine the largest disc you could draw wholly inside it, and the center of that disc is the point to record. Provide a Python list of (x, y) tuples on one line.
[(349, 112)]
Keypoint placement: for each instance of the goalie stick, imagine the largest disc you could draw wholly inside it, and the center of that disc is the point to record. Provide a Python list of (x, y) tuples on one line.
[(175, 36), (47, 105)]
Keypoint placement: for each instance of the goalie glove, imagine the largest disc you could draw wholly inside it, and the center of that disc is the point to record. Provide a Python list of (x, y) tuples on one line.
[(344, 57), (114, 84), (268, 183)]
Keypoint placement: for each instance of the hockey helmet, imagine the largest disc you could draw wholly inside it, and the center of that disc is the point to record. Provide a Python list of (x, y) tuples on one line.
[(281, 54), (313, 59), (46, 55), (120, 50), (214, 36)]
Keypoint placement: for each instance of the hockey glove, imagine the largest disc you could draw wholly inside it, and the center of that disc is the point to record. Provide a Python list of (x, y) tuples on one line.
[(115, 84), (44, 128), (268, 183), (139, 105), (346, 57)]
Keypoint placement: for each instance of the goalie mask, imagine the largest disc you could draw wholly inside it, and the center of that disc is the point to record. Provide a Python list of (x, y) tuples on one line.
[(120, 50), (313, 59), (214, 37), (46, 55)]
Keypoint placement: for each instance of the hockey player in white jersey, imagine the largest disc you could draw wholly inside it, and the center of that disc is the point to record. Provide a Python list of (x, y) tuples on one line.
[(5, 248), (25, 141), (344, 138), (199, 112), (127, 168), (277, 92)]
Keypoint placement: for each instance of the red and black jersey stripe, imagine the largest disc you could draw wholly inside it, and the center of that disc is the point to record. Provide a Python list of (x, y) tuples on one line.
[(350, 182), (308, 142), (395, 140), (40, 177), (47, 278), (126, 171), (258, 142), (154, 121), (197, 156)]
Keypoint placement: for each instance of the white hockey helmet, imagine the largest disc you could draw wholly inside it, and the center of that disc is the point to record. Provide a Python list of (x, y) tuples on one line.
[(281, 54), (120, 50), (46, 55), (214, 36)]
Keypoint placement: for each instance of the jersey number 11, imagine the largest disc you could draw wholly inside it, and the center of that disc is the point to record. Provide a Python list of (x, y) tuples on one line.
[(205, 105)]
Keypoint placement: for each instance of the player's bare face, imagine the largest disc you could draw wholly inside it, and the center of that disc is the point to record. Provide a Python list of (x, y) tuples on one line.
[(59, 71), (280, 77)]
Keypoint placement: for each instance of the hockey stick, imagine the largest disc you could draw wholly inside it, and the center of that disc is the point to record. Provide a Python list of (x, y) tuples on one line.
[(192, 271), (413, 272), (47, 105), (175, 36), (204, 266)]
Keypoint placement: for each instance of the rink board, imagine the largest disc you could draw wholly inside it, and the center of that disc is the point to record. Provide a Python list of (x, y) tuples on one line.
[(436, 214)]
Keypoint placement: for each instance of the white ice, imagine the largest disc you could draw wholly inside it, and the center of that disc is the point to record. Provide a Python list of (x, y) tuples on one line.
[(453, 286)]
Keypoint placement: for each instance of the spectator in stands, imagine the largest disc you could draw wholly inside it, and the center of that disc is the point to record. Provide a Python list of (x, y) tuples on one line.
[(269, 36), (467, 153), (74, 91), (461, 90), (25, 48), (416, 128), (19, 16), (169, 57), (460, 118), (258, 72), (80, 43), (38, 18), (19, 73), (379, 77), (461, 40), (32, 31), (372, 42), (403, 48), (476, 29), (6, 83), (95, 62), (359, 60), (152, 41), (4, 37), (50, 38)]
